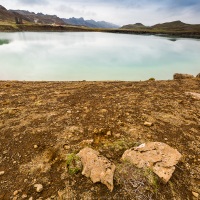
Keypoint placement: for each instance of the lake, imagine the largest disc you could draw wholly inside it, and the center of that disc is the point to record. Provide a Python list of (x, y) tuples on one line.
[(74, 56)]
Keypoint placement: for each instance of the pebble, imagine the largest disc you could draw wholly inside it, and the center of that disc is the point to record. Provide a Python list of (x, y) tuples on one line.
[(149, 124), (15, 192), (109, 133), (195, 194), (39, 187), (24, 196), (117, 135), (69, 111), (2, 173), (35, 146), (66, 147), (31, 198)]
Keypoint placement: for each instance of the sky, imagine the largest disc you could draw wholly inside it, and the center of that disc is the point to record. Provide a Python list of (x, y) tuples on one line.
[(120, 12)]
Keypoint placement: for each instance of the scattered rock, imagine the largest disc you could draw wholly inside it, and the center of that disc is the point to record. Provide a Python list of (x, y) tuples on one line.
[(24, 196), (39, 187), (182, 76), (109, 133), (194, 95), (31, 198), (35, 146), (66, 147), (104, 111), (159, 157), (198, 75), (149, 124), (118, 135), (2, 173), (15, 192), (195, 194), (97, 167)]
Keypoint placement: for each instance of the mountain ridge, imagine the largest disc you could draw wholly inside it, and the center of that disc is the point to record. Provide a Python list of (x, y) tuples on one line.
[(167, 26), (25, 16), (89, 23)]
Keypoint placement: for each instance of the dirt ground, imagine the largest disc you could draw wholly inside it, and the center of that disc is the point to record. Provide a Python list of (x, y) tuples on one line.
[(42, 122)]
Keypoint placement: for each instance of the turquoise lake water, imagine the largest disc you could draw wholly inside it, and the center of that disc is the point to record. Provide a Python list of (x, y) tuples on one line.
[(95, 56)]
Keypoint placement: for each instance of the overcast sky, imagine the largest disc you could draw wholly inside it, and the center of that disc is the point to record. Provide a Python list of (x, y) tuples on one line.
[(120, 12)]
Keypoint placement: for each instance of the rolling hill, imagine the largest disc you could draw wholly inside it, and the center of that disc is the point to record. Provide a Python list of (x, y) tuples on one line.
[(89, 23), (175, 26)]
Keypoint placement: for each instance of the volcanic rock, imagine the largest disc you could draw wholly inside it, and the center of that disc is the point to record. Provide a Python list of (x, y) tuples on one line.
[(97, 167), (157, 156)]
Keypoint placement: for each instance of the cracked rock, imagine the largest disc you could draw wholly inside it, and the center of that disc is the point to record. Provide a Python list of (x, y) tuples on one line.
[(157, 156), (97, 167), (194, 95)]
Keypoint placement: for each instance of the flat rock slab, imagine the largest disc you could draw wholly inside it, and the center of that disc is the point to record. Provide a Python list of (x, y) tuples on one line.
[(97, 167), (194, 95), (159, 157)]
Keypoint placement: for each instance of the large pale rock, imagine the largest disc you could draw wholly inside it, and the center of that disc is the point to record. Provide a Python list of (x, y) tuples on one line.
[(159, 157), (97, 167), (183, 76), (193, 95)]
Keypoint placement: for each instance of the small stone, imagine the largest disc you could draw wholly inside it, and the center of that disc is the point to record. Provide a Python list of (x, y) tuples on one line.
[(149, 136), (5, 152), (69, 111), (109, 133), (2, 173), (117, 135), (165, 139), (103, 111), (31, 198), (195, 194), (25, 180), (149, 124), (24, 196), (66, 147), (14, 162), (39, 187), (35, 146), (15, 192)]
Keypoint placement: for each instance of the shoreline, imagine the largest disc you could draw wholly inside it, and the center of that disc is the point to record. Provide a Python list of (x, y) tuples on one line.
[(50, 28)]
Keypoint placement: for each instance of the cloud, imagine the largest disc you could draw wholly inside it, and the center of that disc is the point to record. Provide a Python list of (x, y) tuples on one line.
[(33, 2), (120, 12)]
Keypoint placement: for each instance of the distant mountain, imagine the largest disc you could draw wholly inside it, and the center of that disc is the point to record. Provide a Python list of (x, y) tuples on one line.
[(7, 16), (168, 26), (40, 17), (133, 26), (24, 16), (89, 23)]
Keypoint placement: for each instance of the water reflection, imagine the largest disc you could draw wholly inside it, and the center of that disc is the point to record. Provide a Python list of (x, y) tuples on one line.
[(172, 39), (95, 56), (4, 41)]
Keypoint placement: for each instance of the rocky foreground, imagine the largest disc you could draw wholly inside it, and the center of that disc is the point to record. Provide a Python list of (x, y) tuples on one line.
[(46, 129)]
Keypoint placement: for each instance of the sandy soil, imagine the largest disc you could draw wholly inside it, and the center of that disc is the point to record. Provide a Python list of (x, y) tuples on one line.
[(41, 122)]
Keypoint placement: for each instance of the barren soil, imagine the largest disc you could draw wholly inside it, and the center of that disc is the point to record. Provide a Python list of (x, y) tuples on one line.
[(42, 122)]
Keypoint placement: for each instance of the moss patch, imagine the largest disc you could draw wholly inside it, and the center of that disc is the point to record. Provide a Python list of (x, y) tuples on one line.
[(73, 164)]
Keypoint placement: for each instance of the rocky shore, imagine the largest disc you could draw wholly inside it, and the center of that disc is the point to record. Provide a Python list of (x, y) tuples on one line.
[(50, 132), (69, 28)]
